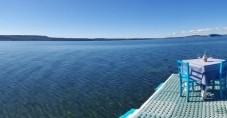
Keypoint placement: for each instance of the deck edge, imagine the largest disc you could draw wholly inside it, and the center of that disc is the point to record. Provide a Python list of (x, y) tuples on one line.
[(147, 101)]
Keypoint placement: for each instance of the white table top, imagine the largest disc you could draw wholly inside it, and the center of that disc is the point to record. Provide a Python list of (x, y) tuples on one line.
[(200, 62)]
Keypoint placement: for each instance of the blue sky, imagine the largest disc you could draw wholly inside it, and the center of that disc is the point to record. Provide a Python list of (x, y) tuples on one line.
[(112, 18)]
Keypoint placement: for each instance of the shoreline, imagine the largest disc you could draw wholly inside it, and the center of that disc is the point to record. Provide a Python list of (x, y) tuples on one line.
[(46, 38)]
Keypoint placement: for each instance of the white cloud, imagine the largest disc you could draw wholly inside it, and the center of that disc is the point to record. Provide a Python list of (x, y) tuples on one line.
[(191, 31), (203, 30), (200, 31), (174, 33), (217, 28), (183, 32)]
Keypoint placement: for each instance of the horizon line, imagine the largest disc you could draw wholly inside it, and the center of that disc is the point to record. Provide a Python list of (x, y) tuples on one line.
[(112, 38)]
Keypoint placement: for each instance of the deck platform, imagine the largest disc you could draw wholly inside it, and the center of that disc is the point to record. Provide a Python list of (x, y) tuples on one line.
[(167, 103)]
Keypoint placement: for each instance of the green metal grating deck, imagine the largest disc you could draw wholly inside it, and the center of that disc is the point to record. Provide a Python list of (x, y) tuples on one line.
[(167, 103)]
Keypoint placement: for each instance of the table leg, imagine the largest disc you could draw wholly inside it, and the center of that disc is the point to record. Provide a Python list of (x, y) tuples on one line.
[(204, 92)]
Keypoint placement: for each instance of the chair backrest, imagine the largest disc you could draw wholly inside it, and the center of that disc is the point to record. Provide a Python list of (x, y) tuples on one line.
[(223, 69), (183, 69)]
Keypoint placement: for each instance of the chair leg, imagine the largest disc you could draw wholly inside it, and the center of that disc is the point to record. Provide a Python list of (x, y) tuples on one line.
[(193, 87), (187, 92), (213, 84), (220, 88), (181, 88), (225, 84)]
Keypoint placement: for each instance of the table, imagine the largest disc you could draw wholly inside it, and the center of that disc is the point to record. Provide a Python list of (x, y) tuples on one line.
[(203, 72)]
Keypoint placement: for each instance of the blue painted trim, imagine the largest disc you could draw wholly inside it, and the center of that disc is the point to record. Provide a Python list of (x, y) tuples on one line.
[(159, 86), (128, 113)]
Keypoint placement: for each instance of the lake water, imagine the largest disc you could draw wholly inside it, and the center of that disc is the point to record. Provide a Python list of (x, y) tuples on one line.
[(97, 79)]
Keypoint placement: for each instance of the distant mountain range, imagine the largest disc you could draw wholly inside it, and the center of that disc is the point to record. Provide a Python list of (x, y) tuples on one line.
[(194, 36), (46, 38)]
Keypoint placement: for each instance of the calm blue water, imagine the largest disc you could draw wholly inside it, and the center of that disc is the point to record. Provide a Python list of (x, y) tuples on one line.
[(99, 79)]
